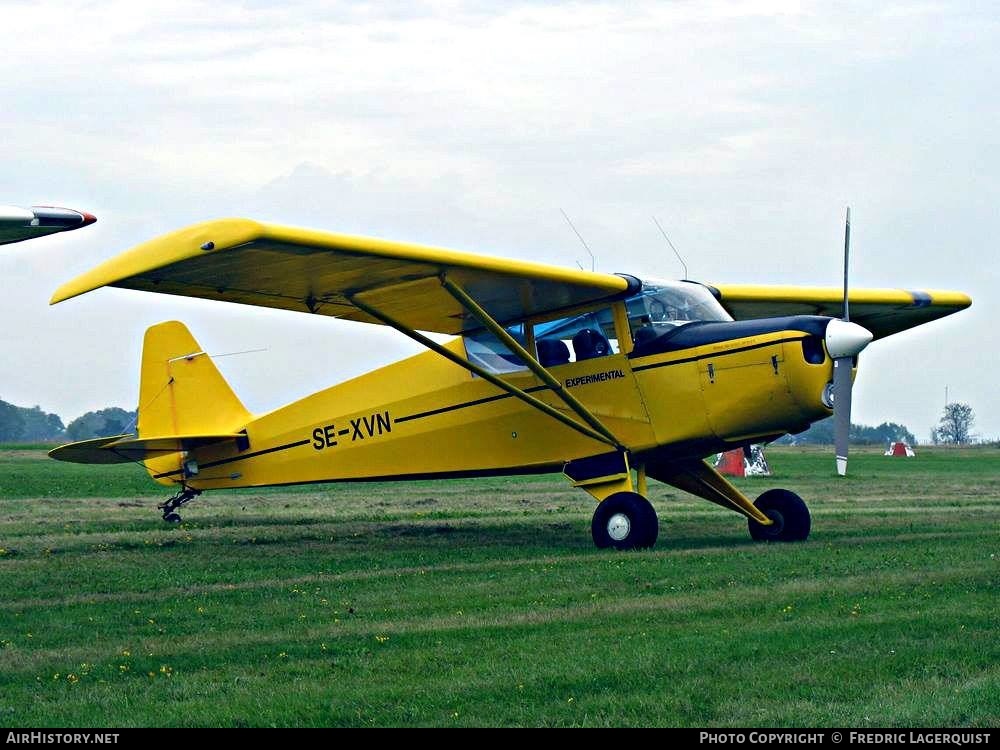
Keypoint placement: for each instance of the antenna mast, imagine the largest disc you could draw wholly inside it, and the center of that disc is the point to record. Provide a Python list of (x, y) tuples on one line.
[(683, 264), (593, 260)]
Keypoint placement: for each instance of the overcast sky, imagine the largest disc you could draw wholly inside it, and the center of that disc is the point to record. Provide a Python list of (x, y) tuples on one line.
[(746, 128)]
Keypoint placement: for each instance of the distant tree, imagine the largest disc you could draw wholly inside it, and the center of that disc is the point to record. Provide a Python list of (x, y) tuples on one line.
[(40, 426), (892, 433), (955, 427), (887, 432), (101, 423), (11, 422), (821, 433)]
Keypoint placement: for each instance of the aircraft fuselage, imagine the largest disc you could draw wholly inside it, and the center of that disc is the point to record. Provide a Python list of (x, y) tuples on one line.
[(426, 417)]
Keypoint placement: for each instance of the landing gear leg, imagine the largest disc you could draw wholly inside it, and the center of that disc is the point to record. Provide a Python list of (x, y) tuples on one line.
[(624, 518), (169, 508)]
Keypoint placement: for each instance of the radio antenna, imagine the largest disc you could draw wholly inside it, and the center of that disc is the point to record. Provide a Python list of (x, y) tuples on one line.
[(593, 260), (672, 248), (192, 355)]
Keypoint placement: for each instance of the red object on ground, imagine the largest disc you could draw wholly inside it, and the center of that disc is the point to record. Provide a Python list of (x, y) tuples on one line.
[(732, 463), (900, 449)]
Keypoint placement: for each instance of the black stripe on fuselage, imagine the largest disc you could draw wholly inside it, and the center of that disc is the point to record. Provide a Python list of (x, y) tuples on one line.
[(477, 402), (737, 350), (223, 461)]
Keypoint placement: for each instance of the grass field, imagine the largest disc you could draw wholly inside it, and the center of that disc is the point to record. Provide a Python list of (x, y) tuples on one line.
[(483, 602)]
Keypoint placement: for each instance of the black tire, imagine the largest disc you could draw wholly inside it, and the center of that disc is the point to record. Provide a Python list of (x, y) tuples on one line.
[(625, 520), (172, 518), (789, 513)]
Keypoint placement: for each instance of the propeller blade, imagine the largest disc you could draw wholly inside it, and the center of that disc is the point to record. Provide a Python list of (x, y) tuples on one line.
[(847, 258), (843, 341), (842, 410)]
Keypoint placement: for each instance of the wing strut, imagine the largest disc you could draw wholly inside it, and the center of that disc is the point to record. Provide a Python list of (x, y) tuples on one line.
[(484, 374), (533, 364)]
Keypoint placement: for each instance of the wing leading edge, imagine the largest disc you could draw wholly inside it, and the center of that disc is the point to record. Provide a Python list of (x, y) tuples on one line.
[(239, 260)]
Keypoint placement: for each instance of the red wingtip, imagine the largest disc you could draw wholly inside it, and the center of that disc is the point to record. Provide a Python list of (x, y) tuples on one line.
[(87, 218)]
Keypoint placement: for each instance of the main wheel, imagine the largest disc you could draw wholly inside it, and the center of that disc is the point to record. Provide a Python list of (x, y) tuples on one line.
[(172, 518), (625, 520), (790, 516)]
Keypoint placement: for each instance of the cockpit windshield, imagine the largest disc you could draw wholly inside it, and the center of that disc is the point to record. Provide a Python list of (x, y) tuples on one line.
[(662, 305)]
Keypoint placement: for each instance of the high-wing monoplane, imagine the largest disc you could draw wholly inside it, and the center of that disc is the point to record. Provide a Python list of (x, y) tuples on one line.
[(609, 379)]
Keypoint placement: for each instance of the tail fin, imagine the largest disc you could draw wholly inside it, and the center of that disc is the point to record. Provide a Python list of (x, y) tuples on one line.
[(184, 404), (181, 392)]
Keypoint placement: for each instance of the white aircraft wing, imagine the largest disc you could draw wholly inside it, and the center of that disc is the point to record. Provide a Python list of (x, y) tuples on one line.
[(19, 224)]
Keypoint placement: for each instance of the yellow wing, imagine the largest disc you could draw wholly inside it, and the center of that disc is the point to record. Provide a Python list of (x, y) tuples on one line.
[(881, 311), (238, 260)]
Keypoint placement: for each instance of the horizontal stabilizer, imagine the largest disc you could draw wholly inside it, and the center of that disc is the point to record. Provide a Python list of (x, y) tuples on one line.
[(92, 451), (120, 449)]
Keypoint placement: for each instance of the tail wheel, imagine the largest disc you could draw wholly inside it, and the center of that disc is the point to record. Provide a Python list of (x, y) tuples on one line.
[(625, 520), (789, 513)]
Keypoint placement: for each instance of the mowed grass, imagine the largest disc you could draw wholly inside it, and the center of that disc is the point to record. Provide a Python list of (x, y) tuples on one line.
[(483, 602)]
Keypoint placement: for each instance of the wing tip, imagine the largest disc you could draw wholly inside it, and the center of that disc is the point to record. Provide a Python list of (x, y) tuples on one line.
[(191, 241), (60, 295), (71, 289)]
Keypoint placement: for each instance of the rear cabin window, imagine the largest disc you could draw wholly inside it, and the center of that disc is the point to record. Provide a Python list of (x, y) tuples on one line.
[(487, 351)]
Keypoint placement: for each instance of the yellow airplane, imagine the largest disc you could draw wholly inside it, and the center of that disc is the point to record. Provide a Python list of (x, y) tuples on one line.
[(610, 379)]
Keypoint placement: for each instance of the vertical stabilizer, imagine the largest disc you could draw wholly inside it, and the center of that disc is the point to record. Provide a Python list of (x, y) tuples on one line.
[(181, 392)]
